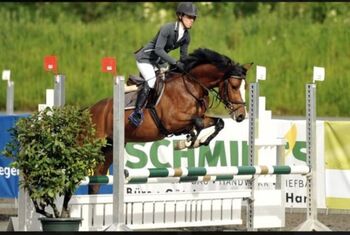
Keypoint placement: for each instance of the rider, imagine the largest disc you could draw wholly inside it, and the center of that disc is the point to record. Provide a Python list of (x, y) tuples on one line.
[(170, 36)]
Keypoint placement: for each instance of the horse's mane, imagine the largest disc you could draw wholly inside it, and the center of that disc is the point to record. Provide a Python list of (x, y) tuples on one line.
[(206, 56)]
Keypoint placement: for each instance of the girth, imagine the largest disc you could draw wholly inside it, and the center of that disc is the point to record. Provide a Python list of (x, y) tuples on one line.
[(160, 125), (158, 122)]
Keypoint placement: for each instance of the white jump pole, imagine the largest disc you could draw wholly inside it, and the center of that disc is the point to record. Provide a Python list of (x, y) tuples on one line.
[(118, 149), (6, 74), (312, 223), (59, 92), (118, 154)]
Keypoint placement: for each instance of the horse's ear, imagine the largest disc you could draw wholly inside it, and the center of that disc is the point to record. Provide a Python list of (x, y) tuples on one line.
[(247, 66)]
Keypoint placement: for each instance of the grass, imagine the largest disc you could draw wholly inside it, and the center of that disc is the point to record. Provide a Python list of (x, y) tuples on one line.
[(289, 48)]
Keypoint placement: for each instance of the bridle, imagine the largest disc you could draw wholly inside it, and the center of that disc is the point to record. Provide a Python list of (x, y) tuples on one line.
[(225, 100), (229, 104)]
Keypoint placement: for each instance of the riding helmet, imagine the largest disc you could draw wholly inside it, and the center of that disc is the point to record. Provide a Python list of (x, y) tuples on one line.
[(187, 8)]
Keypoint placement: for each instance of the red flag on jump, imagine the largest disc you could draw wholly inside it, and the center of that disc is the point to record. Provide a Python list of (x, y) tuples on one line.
[(109, 65), (50, 63)]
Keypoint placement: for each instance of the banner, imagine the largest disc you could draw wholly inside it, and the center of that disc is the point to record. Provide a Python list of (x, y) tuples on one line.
[(230, 148), (8, 174), (337, 163)]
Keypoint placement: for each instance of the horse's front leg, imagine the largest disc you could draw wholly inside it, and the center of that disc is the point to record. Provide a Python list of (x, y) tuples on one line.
[(200, 124), (218, 123)]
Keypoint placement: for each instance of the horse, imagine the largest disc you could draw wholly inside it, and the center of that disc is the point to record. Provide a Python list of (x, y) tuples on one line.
[(182, 106)]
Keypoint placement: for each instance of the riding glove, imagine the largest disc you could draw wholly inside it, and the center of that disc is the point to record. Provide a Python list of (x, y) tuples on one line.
[(180, 65)]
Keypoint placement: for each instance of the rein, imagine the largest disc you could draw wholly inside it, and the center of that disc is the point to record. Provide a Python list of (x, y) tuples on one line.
[(228, 104), (200, 101)]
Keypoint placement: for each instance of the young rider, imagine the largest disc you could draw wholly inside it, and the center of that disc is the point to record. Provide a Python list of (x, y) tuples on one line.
[(170, 36)]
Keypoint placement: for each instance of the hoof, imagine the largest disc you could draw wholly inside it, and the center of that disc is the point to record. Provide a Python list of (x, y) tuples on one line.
[(180, 144), (183, 144), (196, 144)]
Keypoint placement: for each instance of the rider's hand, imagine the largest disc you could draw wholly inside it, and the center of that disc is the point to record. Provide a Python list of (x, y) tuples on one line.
[(180, 65)]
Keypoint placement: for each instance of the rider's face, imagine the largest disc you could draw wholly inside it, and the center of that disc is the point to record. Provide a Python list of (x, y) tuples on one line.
[(188, 21)]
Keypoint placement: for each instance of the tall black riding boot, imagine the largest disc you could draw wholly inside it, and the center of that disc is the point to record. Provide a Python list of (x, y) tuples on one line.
[(136, 117)]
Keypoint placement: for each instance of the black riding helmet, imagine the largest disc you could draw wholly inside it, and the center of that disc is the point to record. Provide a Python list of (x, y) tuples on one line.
[(187, 8)]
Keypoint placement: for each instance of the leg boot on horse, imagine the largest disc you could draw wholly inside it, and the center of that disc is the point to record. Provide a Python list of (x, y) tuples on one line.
[(136, 117)]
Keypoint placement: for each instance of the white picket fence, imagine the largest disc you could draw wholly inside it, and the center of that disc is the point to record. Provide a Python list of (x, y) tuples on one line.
[(179, 210)]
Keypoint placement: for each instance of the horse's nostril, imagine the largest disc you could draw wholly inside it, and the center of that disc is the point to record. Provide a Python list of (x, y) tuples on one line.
[(240, 118)]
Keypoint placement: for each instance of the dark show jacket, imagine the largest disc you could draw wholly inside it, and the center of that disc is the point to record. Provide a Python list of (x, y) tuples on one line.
[(155, 52)]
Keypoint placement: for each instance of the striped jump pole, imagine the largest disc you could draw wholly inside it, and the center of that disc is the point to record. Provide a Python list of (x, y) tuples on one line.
[(191, 174), (215, 171), (108, 180), (206, 174)]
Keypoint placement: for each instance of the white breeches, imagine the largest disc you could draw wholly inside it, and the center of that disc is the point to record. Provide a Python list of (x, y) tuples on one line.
[(148, 72)]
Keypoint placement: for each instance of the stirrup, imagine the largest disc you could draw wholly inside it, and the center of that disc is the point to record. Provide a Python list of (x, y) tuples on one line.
[(136, 118)]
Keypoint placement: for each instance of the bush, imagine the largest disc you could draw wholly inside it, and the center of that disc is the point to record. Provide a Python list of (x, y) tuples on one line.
[(54, 150)]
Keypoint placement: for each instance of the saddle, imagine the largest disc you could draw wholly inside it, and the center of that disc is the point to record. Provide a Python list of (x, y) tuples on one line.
[(154, 95)]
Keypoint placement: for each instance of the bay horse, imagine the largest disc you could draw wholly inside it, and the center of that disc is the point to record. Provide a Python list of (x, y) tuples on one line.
[(182, 106)]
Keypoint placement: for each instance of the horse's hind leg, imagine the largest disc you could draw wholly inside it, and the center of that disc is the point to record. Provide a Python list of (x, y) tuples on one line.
[(102, 168)]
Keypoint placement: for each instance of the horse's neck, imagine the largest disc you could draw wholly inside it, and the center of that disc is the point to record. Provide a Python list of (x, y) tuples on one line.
[(169, 76), (183, 84), (206, 75)]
